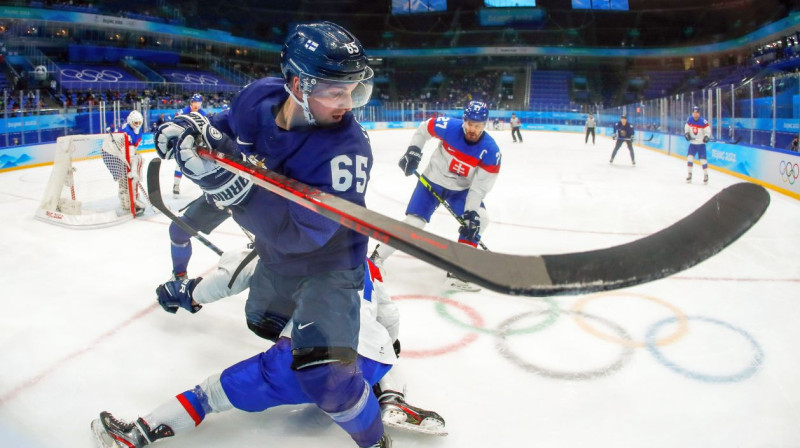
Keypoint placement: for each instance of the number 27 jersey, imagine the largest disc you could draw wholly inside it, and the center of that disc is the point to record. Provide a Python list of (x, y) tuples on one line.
[(455, 162)]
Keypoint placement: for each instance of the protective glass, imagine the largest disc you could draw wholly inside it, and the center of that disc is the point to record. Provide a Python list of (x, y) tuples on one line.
[(336, 94)]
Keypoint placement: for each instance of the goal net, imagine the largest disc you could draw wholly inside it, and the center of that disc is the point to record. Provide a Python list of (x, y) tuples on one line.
[(89, 186)]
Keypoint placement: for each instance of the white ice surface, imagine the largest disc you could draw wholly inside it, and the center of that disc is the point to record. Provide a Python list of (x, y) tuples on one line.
[(80, 331)]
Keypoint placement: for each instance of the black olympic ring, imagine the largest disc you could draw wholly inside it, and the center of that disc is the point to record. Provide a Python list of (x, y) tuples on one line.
[(91, 75), (504, 350), (789, 171), (194, 78)]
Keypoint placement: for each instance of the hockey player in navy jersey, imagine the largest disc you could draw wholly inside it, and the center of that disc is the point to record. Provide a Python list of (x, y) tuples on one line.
[(623, 132), (266, 380), (310, 268), (195, 105), (697, 131), (462, 170)]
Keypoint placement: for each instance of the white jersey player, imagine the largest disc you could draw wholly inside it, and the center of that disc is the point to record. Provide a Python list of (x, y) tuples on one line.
[(698, 133), (462, 170), (266, 380)]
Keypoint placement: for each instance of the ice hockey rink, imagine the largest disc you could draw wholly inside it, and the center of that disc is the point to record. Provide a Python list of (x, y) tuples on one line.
[(705, 358)]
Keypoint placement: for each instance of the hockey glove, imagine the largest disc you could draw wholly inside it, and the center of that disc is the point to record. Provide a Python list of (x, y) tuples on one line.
[(688, 136), (613, 136), (471, 229), (223, 187), (178, 294), (166, 139), (410, 161), (705, 139)]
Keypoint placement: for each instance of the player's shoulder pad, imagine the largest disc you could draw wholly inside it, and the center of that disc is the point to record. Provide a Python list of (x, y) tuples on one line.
[(251, 107)]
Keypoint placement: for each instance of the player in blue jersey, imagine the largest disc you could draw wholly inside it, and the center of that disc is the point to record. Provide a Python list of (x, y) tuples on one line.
[(266, 380), (462, 170), (697, 131), (310, 268), (623, 132), (195, 105)]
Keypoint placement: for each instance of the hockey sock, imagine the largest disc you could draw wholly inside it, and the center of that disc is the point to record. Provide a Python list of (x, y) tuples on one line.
[(182, 413), (180, 248), (340, 390)]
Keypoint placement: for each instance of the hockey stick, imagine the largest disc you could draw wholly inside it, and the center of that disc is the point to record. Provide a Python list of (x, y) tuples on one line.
[(649, 138), (734, 142), (424, 181), (706, 231), (154, 185)]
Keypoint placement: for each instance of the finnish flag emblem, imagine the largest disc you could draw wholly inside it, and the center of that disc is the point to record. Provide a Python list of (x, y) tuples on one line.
[(311, 45)]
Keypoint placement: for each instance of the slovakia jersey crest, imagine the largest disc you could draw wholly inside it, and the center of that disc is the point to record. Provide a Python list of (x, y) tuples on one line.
[(696, 126), (465, 156)]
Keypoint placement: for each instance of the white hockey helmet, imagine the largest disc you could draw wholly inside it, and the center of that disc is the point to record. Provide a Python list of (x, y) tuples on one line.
[(135, 120)]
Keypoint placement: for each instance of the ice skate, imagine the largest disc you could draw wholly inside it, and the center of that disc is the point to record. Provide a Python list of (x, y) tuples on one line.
[(689, 178), (395, 412), (633, 162), (610, 160), (705, 179), (112, 433), (454, 282), (176, 191), (385, 442)]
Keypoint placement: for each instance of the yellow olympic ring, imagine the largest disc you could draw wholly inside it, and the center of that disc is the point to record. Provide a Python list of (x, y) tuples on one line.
[(683, 325)]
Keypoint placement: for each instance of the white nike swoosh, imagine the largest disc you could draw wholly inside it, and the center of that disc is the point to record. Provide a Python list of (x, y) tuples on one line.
[(301, 326), (241, 142)]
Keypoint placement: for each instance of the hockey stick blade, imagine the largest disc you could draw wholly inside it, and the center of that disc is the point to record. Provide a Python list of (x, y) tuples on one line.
[(154, 188), (705, 232)]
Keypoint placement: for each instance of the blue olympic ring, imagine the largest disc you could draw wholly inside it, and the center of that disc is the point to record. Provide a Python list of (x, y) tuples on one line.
[(747, 372), (789, 172)]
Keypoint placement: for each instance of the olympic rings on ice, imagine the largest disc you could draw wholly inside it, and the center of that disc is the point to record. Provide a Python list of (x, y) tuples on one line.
[(751, 368), (613, 333), (683, 325), (624, 356)]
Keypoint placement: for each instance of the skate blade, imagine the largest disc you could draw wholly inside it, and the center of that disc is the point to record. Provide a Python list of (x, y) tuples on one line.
[(458, 285), (428, 426), (101, 436)]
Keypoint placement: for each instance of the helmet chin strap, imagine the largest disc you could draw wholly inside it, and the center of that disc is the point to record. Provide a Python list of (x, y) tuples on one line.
[(303, 105)]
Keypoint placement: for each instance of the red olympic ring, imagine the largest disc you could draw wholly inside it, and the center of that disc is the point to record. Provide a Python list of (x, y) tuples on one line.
[(476, 319)]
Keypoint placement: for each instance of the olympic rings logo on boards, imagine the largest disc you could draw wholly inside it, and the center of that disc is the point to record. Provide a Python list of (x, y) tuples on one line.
[(193, 78), (656, 339), (789, 171), (92, 75)]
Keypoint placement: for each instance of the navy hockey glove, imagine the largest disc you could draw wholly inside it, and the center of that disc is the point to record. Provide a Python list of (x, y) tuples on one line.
[(178, 294), (410, 161), (222, 186), (613, 136), (166, 139), (471, 228), (688, 136), (705, 139)]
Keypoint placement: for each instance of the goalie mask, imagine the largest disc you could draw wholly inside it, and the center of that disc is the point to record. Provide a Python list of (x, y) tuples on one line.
[(135, 120), (330, 64)]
